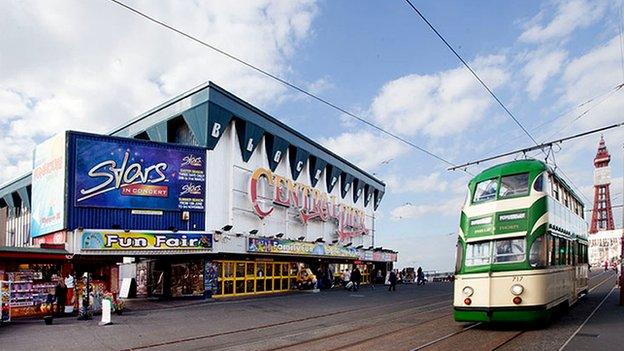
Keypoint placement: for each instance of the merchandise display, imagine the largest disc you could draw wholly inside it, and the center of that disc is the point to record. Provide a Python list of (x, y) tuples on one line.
[(5, 298), (187, 279)]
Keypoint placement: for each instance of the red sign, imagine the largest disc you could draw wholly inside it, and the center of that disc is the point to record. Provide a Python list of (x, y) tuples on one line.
[(145, 190), (53, 238), (311, 203)]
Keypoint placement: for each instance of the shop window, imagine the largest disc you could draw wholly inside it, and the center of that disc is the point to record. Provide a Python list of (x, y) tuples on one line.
[(240, 287), (240, 269), (228, 269), (245, 278), (249, 286), (228, 287), (259, 285)]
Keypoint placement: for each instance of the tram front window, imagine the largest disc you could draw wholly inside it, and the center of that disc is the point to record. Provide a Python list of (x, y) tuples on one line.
[(478, 253), (509, 250), (485, 190), (514, 185)]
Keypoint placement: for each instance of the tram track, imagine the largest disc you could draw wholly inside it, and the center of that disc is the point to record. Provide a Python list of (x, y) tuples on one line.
[(346, 330), (498, 340), (343, 314)]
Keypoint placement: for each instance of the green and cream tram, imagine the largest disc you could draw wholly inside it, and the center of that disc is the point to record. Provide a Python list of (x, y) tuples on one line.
[(522, 247)]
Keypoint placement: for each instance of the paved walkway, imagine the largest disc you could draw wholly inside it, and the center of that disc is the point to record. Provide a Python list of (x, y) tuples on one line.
[(604, 330)]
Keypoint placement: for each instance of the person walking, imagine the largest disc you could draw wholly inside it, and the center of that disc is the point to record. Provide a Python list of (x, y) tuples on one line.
[(346, 279), (393, 281), (420, 277), (60, 294), (356, 278)]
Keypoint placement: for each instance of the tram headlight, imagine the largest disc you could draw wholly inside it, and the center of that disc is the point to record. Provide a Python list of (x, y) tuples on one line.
[(467, 291), (517, 289)]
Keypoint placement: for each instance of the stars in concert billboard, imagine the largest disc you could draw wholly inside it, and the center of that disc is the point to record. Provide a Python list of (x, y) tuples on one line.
[(116, 173)]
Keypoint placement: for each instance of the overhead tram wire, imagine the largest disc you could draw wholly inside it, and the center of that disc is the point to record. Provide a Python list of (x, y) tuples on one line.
[(511, 115), (284, 82), (537, 147)]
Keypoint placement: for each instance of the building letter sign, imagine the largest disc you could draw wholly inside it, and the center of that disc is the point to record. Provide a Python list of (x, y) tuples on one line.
[(310, 203)]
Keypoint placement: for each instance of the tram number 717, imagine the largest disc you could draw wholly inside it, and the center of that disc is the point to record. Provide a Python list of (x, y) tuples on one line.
[(517, 278)]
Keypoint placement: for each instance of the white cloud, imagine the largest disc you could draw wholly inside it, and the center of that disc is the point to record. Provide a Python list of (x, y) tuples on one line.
[(571, 15), (593, 73), (93, 65), (438, 104), (410, 211), (433, 182), (542, 65), (365, 149)]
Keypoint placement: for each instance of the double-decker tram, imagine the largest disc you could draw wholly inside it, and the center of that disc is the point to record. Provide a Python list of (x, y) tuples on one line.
[(522, 247)]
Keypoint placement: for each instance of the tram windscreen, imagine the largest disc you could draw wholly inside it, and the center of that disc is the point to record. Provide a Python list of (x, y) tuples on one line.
[(497, 251), (514, 185), (485, 190), (478, 253), (509, 250)]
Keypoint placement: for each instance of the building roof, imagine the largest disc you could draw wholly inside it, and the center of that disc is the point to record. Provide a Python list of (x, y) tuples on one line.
[(199, 101)]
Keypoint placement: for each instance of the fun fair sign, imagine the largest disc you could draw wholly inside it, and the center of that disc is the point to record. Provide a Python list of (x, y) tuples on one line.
[(310, 203), (120, 240)]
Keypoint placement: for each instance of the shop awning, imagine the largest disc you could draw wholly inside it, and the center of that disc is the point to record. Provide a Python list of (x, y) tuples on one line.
[(37, 253)]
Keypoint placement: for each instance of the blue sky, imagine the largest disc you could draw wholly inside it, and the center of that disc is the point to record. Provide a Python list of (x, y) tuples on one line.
[(91, 66)]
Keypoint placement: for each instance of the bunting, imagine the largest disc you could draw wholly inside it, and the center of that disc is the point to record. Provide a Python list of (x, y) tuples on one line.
[(249, 136), (332, 177), (317, 166), (218, 121), (297, 158), (346, 181), (276, 150)]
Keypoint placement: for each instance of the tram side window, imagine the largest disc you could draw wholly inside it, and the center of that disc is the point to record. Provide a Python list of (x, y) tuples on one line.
[(538, 256), (551, 250)]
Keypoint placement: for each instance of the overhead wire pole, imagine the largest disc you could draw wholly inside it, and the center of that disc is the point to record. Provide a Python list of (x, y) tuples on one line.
[(283, 81), (537, 147)]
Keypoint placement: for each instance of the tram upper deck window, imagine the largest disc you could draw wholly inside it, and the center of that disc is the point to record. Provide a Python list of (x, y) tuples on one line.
[(485, 190), (478, 253), (514, 185)]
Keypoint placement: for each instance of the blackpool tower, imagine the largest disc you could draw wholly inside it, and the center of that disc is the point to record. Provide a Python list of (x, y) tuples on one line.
[(602, 215)]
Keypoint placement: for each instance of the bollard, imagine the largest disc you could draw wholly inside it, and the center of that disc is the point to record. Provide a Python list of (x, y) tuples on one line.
[(106, 312)]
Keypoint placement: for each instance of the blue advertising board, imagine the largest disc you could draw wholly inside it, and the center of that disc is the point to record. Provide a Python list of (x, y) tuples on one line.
[(118, 173)]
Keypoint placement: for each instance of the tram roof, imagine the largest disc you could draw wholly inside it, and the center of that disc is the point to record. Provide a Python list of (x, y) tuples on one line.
[(513, 167)]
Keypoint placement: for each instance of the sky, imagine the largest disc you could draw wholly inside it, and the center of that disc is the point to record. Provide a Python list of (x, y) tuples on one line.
[(93, 65)]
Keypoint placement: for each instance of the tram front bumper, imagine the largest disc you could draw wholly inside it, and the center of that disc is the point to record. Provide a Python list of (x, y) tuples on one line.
[(501, 314)]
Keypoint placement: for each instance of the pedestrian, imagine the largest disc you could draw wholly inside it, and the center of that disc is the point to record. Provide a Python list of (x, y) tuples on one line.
[(393, 281), (371, 279), (60, 294), (356, 278), (346, 279), (420, 276)]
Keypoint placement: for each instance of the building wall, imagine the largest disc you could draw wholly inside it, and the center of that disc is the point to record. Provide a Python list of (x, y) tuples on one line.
[(3, 226), (605, 246), (228, 199), (18, 226)]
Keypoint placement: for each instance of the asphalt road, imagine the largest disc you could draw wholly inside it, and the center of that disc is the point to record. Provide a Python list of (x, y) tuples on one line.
[(413, 317)]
